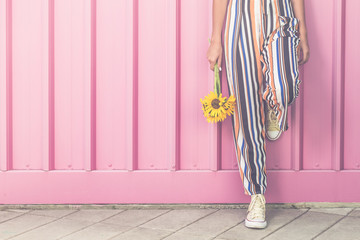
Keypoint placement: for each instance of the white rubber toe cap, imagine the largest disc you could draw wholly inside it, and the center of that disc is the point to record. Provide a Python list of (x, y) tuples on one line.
[(273, 135), (255, 224)]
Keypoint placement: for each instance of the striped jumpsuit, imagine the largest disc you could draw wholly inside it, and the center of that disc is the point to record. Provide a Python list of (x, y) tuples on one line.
[(261, 39)]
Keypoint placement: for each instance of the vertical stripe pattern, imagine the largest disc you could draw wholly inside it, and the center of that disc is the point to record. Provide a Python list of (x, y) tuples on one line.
[(260, 43)]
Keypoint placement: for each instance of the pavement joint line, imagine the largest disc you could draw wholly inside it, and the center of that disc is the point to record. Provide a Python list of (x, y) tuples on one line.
[(131, 228), (39, 226), (190, 224), (36, 214), (91, 224), (333, 224), (228, 229), (15, 216), (285, 224)]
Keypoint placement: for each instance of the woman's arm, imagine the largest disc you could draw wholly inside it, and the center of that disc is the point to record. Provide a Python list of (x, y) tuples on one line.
[(299, 11), (214, 53)]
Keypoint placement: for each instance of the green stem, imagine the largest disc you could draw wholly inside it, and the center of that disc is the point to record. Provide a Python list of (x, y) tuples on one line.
[(217, 85)]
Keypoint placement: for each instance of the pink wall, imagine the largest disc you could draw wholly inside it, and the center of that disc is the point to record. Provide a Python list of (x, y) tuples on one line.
[(100, 103)]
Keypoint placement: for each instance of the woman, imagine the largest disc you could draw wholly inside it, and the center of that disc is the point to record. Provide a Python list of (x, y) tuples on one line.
[(263, 39)]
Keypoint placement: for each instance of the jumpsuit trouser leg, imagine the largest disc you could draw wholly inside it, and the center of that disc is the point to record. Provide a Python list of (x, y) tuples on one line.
[(260, 42)]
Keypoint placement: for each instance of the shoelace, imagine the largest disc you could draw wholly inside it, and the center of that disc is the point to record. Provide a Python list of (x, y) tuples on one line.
[(272, 123), (257, 207)]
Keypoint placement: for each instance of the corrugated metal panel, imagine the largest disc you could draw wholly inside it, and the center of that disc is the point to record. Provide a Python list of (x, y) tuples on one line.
[(100, 103)]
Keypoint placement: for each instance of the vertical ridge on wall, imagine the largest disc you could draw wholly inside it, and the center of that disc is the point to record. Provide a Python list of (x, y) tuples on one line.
[(9, 120), (46, 22), (87, 56), (351, 90), (297, 128), (93, 88), (172, 35), (3, 136), (197, 135), (133, 162), (296, 133), (338, 85), (130, 68), (214, 129), (51, 158), (351, 150), (72, 84), (318, 118), (29, 84), (114, 74), (156, 77), (176, 161)]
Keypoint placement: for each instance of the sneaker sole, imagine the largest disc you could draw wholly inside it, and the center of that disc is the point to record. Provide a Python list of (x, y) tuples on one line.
[(250, 224)]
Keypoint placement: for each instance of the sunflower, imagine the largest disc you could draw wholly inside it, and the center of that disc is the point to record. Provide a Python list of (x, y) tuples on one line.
[(230, 104), (214, 106)]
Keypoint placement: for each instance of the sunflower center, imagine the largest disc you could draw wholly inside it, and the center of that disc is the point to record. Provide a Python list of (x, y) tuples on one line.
[(215, 103)]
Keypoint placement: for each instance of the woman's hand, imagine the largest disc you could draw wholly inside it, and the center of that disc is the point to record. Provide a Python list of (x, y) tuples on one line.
[(304, 49), (214, 54), (299, 10)]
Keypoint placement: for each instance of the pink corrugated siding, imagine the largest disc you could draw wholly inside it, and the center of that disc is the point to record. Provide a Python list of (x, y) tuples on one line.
[(100, 103)]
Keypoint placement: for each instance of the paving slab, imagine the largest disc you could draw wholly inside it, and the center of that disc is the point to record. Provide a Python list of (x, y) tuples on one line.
[(54, 230), (135, 217), (5, 215), (93, 215), (355, 213), (56, 213), (212, 224), (306, 226), (21, 224), (276, 218), (346, 229), (18, 210), (141, 233), (340, 211), (176, 219), (98, 231)]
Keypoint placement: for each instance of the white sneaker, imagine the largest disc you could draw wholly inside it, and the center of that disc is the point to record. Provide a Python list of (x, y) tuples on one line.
[(256, 212)]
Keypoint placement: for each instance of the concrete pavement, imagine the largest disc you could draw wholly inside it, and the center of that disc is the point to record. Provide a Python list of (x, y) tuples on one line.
[(170, 222)]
